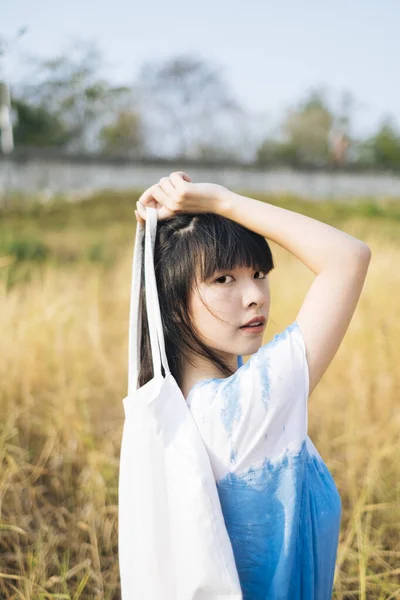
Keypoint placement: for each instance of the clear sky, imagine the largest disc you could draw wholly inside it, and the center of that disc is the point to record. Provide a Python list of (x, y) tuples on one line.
[(270, 53)]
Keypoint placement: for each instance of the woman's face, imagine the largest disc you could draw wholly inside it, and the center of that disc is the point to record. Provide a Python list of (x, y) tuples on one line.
[(233, 297)]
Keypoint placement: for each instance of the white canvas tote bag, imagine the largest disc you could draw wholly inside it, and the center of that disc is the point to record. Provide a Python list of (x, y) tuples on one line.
[(173, 543)]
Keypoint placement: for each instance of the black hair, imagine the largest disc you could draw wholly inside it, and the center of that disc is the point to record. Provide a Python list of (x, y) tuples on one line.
[(190, 248)]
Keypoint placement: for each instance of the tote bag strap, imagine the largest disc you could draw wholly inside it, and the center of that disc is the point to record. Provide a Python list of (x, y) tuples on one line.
[(152, 301), (157, 343)]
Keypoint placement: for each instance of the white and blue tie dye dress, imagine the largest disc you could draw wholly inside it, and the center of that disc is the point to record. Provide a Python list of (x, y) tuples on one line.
[(281, 506)]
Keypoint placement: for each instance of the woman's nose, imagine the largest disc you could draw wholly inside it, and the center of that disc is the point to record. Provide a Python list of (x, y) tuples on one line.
[(254, 294)]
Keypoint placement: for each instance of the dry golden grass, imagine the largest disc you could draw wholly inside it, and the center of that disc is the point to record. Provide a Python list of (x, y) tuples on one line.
[(63, 372)]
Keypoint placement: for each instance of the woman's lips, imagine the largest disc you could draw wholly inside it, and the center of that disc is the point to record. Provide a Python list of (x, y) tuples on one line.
[(258, 329)]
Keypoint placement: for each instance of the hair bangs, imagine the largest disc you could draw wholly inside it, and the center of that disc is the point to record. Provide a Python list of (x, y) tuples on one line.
[(223, 244)]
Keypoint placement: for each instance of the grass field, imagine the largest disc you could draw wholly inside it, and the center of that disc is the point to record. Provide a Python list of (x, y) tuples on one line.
[(65, 273)]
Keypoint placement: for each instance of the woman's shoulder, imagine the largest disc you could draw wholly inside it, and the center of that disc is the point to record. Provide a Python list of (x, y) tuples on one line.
[(278, 364)]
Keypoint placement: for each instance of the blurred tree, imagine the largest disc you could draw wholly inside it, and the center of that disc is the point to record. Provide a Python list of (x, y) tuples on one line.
[(214, 151), (186, 101), (124, 136), (307, 129), (341, 139), (305, 134), (68, 90), (275, 152), (383, 148), (35, 126)]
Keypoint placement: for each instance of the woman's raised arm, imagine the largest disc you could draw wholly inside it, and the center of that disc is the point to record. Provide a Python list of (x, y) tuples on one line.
[(339, 261)]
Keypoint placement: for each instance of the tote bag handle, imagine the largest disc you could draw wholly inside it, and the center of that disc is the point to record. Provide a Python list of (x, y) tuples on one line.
[(157, 343)]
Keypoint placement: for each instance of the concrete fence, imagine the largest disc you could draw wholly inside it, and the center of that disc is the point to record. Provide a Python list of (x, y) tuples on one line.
[(46, 174)]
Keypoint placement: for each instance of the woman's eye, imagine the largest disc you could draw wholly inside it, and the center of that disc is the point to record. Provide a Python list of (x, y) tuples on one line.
[(222, 277), (265, 274)]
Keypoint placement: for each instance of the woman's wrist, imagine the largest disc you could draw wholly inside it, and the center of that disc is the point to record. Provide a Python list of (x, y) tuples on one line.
[(224, 201)]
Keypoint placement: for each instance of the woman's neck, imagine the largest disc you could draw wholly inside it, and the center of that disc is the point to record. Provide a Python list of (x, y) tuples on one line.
[(203, 369)]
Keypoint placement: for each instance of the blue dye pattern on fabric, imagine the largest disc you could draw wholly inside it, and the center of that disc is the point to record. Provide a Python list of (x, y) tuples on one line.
[(231, 411), (281, 507), (233, 455), (265, 387), (283, 521)]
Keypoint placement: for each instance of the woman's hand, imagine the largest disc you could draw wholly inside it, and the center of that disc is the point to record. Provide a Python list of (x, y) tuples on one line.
[(177, 194)]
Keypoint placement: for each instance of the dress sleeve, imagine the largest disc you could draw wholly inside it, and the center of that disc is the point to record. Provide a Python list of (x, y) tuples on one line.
[(273, 388), (282, 365)]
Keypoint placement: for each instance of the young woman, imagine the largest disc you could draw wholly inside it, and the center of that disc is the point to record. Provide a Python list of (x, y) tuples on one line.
[(280, 504)]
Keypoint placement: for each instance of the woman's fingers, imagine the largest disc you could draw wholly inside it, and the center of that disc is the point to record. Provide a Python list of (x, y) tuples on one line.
[(140, 213), (147, 196), (167, 186), (158, 200), (139, 218), (179, 179), (184, 175), (162, 196)]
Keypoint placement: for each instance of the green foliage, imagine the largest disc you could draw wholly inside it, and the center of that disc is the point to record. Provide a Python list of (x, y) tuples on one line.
[(306, 133), (273, 152), (24, 248), (307, 128), (67, 93), (97, 252), (36, 126), (382, 149), (123, 136)]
